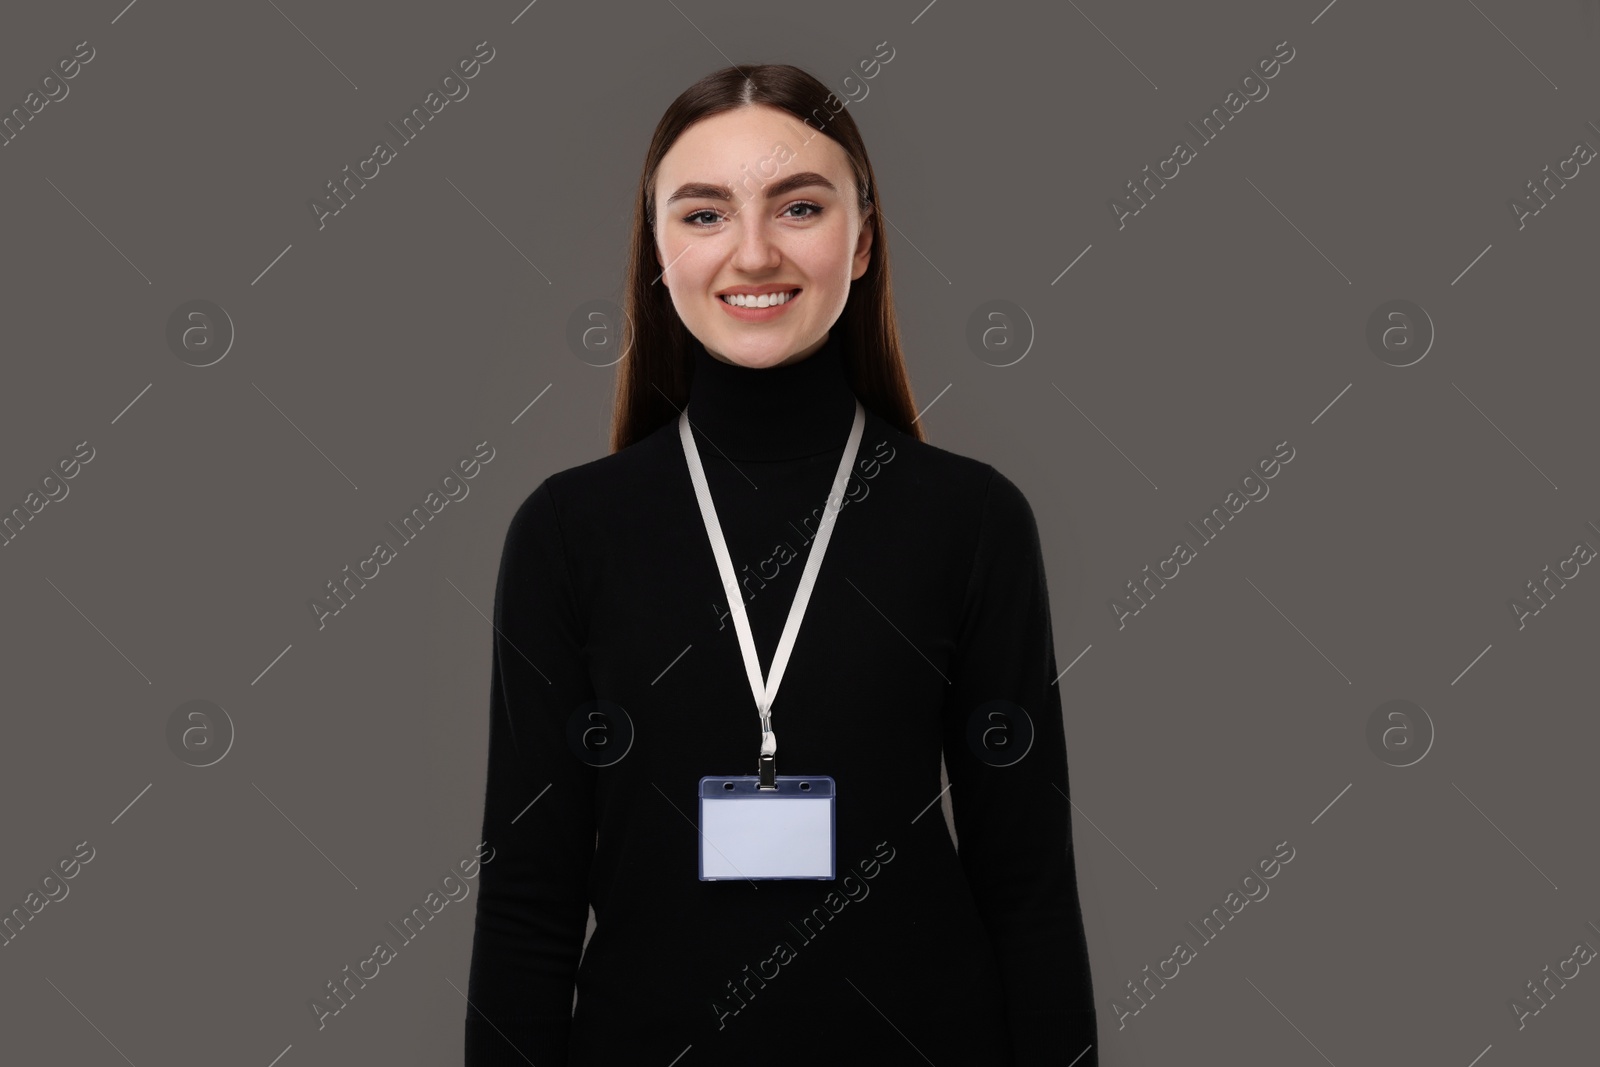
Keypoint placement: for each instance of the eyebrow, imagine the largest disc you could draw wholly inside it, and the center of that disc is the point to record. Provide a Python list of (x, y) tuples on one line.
[(712, 191)]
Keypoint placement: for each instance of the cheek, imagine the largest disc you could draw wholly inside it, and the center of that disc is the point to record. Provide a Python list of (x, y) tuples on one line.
[(813, 256), (822, 257), (683, 266), (686, 275)]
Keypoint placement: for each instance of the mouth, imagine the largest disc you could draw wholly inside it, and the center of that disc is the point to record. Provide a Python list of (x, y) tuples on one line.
[(755, 303)]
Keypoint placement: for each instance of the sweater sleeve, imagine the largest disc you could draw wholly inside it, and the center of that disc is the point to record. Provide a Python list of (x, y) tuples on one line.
[(1008, 775), (539, 812)]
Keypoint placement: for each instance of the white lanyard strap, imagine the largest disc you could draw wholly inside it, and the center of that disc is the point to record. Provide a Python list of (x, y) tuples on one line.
[(765, 694)]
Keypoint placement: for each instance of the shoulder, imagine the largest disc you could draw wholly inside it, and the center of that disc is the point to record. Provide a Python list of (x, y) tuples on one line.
[(592, 494), (971, 487)]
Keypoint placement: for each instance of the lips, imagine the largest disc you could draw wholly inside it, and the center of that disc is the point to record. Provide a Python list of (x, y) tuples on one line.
[(758, 314)]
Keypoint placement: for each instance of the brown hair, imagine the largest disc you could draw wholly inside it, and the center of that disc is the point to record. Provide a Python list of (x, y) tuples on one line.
[(654, 380)]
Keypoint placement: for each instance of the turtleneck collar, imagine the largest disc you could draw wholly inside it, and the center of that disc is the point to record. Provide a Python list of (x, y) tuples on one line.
[(786, 412)]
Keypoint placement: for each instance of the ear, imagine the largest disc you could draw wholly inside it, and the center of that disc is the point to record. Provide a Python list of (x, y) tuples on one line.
[(863, 253)]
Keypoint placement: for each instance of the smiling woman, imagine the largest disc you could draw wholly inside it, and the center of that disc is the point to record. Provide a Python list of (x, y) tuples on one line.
[(763, 362)]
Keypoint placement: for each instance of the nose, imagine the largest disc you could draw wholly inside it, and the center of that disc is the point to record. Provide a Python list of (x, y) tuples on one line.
[(756, 251)]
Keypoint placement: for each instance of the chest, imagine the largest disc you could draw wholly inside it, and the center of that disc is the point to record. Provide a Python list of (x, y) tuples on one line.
[(870, 662)]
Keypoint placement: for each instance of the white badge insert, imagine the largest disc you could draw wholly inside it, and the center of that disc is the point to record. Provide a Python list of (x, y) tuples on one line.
[(766, 825), (746, 832)]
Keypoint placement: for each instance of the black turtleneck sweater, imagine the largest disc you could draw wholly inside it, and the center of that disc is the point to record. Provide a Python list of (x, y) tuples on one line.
[(618, 683)]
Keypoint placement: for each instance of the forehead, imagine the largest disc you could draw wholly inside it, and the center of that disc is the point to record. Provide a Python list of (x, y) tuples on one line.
[(747, 147)]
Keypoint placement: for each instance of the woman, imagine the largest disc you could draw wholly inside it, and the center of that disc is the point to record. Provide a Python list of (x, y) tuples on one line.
[(624, 674)]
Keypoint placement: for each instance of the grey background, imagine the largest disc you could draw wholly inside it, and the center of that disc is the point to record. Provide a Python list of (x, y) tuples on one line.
[(1228, 716)]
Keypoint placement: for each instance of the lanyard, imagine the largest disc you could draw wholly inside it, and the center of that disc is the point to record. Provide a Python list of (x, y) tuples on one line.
[(765, 694)]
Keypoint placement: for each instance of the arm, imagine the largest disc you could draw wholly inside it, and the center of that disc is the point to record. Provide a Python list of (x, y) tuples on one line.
[(533, 904), (1013, 820)]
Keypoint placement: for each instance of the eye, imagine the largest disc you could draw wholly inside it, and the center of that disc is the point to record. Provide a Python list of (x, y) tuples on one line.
[(694, 217)]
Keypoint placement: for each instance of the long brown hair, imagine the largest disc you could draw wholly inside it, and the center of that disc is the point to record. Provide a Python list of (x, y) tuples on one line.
[(654, 380)]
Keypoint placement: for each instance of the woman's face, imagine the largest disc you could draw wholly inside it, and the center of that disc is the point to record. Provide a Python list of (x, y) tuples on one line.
[(754, 199)]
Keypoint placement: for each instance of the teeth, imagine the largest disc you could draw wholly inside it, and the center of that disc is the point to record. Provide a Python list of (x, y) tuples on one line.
[(765, 301)]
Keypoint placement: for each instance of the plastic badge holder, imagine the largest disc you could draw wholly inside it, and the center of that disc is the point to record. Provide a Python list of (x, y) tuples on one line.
[(748, 832)]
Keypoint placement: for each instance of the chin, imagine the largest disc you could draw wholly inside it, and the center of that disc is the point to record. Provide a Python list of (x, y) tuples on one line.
[(755, 357), (756, 362)]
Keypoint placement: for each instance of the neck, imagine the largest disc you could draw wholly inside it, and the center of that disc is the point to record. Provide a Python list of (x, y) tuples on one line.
[(783, 412)]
